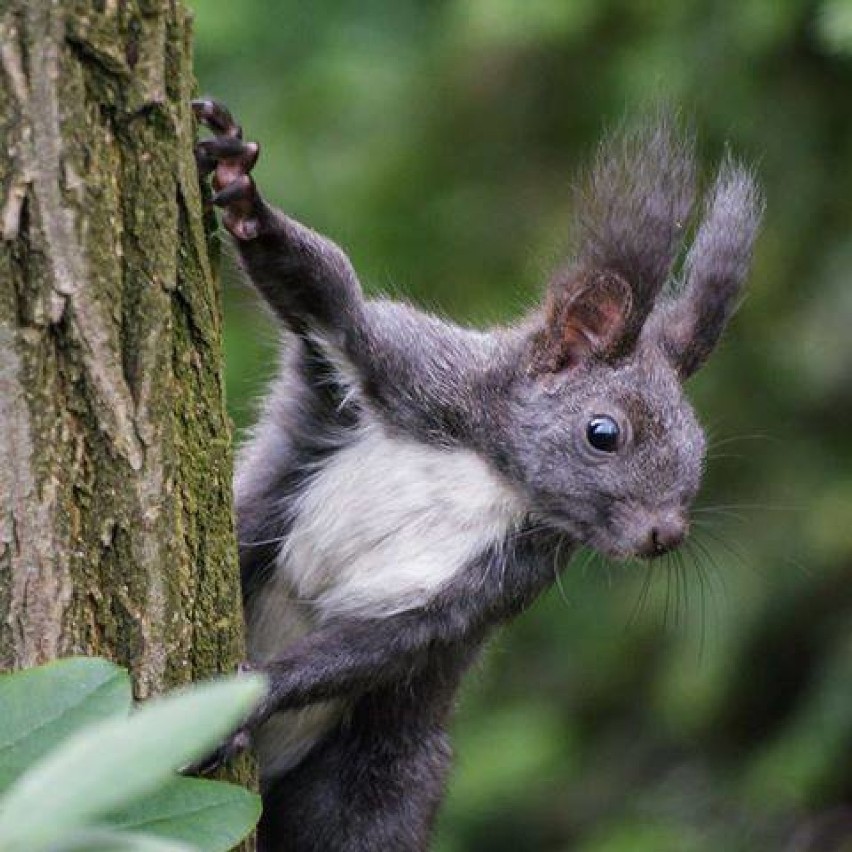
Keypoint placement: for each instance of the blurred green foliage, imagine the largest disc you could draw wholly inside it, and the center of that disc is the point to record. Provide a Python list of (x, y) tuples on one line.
[(712, 708)]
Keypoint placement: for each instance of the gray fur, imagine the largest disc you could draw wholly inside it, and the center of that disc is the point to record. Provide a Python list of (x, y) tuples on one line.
[(409, 482)]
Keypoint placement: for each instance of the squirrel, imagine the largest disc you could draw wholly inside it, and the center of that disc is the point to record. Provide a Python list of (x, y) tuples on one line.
[(410, 483)]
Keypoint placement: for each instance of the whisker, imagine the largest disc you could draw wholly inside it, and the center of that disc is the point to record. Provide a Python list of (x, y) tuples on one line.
[(667, 564), (738, 556), (708, 516), (708, 554), (805, 571), (581, 560), (705, 571), (262, 542), (734, 439), (560, 587), (718, 540), (584, 568), (713, 456), (676, 598), (642, 599), (702, 593), (684, 582), (758, 507), (524, 531), (557, 574), (687, 603), (606, 565)]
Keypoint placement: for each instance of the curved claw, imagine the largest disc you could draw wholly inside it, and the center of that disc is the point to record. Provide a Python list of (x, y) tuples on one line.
[(221, 147), (217, 117), (240, 189), (230, 749)]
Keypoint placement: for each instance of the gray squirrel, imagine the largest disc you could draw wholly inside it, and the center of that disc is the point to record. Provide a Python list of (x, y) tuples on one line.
[(410, 483)]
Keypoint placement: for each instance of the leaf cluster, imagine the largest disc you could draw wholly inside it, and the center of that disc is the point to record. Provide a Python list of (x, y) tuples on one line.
[(82, 769)]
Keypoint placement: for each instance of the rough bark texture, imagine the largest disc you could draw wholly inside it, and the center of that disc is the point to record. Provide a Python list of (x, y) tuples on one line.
[(116, 533)]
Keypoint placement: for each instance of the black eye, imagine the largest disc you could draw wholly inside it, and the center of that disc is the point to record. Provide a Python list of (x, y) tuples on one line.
[(602, 433)]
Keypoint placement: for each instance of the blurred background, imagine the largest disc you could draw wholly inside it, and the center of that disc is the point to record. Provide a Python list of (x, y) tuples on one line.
[(707, 708)]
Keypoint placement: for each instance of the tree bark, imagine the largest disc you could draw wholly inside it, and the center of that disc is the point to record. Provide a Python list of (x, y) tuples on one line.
[(116, 524)]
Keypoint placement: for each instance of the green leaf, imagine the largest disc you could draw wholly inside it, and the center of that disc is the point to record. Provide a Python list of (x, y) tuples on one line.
[(108, 840), (41, 706), (111, 763), (211, 815)]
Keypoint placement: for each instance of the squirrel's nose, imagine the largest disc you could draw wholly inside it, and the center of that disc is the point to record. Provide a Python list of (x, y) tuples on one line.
[(665, 535)]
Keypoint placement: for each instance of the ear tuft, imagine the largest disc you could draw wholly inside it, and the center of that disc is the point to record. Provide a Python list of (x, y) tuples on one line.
[(688, 326), (634, 206), (585, 316)]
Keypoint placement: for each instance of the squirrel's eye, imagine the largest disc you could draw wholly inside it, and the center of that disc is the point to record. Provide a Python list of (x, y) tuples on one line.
[(602, 433)]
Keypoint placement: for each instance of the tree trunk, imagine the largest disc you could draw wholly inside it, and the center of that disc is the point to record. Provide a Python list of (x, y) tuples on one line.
[(116, 525)]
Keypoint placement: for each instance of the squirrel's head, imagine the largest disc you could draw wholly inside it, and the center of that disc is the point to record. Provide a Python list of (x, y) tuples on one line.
[(602, 436)]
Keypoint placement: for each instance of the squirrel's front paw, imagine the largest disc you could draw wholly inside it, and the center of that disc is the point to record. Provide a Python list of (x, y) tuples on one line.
[(230, 160)]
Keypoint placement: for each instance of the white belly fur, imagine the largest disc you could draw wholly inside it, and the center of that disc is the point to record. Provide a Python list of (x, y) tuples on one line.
[(379, 529)]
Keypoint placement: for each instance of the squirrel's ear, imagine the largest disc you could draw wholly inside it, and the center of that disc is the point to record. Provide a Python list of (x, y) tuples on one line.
[(688, 325), (630, 208), (585, 315)]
